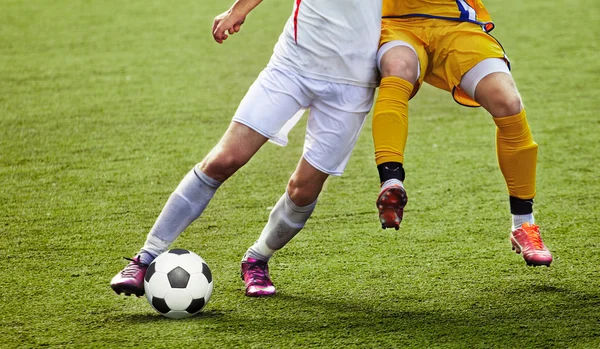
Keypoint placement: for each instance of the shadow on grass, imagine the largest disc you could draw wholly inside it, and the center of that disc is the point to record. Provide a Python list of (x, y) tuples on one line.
[(212, 315), (542, 316), (537, 316)]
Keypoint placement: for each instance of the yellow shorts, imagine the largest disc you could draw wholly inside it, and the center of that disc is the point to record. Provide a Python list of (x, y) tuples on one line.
[(446, 50)]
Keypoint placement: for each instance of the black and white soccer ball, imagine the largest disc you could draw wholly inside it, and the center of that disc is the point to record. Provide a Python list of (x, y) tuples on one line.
[(178, 283)]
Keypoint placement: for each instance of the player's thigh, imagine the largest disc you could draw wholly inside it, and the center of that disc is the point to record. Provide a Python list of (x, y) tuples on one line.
[(333, 127), (471, 79), (236, 147), (455, 50), (272, 100)]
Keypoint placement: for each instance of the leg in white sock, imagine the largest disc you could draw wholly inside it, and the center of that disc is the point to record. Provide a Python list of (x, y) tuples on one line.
[(285, 221), (184, 206), (188, 201)]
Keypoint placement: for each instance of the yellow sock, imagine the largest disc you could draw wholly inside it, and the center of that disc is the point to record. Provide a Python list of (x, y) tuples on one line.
[(517, 154), (390, 120)]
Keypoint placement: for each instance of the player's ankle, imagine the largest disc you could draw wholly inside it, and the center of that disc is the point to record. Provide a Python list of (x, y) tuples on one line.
[(519, 219), (254, 254), (390, 170), (146, 257), (391, 182)]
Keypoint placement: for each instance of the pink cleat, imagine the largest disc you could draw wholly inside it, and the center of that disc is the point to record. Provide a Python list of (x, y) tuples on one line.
[(390, 203), (255, 274), (130, 280), (527, 239)]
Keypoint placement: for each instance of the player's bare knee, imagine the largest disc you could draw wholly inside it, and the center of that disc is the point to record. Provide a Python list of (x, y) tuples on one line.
[(221, 166), (399, 67), (297, 193), (402, 62), (505, 105), (498, 94), (302, 194)]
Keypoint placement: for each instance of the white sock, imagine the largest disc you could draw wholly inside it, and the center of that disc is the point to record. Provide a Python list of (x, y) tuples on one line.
[(519, 219), (391, 182), (152, 248), (184, 206), (285, 221)]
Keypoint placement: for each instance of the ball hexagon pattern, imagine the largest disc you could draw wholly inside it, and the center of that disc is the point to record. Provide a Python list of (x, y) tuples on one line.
[(178, 283)]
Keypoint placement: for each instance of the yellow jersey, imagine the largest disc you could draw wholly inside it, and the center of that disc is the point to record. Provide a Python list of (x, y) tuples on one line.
[(454, 10)]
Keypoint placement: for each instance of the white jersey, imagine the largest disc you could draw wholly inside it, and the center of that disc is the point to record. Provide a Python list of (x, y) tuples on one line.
[(332, 40)]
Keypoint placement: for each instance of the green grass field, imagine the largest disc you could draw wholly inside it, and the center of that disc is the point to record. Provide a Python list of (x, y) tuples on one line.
[(105, 105)]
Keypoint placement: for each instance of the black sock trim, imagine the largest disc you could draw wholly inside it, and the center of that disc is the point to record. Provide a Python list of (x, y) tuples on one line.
[(390, 170), (521, 206)]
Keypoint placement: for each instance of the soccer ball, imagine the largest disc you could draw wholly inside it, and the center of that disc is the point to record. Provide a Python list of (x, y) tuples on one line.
[(178, 283)]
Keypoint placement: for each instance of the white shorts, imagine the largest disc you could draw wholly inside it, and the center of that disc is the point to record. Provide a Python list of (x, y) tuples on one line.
[(277, 99)]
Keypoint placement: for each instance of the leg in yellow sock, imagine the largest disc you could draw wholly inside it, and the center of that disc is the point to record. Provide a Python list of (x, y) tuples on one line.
[(517, 155), (399, 67), (390, 132), (390, 120)]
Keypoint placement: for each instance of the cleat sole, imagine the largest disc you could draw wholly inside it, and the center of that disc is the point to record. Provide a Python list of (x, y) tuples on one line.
[(127, 291), (538, 264), (391, 207), (532, 264), (383, 226)]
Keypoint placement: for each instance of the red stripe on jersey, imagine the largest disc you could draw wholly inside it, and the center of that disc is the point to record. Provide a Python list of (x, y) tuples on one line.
[(296, 20)]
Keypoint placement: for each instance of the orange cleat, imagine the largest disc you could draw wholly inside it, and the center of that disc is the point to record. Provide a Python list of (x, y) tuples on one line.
[(528, 241)]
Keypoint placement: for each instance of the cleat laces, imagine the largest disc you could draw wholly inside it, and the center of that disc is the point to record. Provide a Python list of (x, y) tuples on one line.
[(258, 274), (533, 232), (132, 268)]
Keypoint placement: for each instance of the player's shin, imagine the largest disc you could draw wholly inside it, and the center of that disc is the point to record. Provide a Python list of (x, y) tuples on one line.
[(390, 120), (184, 206), (285, 221), (517, 155)]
